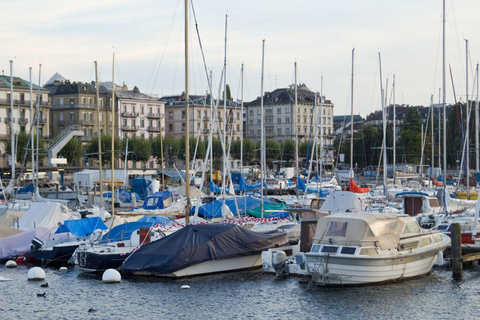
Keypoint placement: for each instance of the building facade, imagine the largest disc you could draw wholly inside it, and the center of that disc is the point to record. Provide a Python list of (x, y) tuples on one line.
[(21, 118)]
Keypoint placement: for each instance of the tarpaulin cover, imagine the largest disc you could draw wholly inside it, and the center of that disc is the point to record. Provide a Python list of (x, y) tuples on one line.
[(356, 189), (140, 187), (257, 212), (214, 208), (27, 189), (20, 243), (449, 183), (155, 201), (303, 187), (44, 214), (213, 188), (123, 196), (124, 231), (478, 177), (154, 220), (82, 227), (195, 244)]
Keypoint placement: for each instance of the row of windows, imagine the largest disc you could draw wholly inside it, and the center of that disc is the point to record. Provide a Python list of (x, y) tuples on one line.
[(142, 123), (142, 109), (269, 130)]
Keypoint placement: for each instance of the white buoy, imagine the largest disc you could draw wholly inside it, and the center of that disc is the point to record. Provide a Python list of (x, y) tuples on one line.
[(111, 276), (10, 264), (36, 273), (63, 269), (185, 286), (440, 260)]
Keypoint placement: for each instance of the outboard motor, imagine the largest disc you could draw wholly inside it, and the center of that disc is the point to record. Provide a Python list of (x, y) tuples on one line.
[(36, 244), (279, 260)]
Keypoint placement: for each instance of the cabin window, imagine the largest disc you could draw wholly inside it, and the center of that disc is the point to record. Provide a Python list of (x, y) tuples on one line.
[(337, 229), (348, 250), (411, 227), (329, 249)]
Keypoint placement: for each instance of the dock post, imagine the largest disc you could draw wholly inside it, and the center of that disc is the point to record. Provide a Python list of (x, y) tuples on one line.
[(457, 266)]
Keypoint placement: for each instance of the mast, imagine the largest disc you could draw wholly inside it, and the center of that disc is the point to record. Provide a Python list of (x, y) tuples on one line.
[(433, 137), (97, 87), (296, 130), (477, 130), (444, 102), (224, 183), (210, 136), (319, 167), (161, 147), (262, 140), (31, 133), (384, 143), (351, 117), (113, 136), (38, 123), (187, 122), (394, 133), (12, 136), (241, 129), (467, 133)]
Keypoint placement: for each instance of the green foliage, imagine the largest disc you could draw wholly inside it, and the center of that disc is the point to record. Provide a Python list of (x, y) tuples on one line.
[(72, 150), (91, 148), (287, 150), (21, 146), (139, 149)]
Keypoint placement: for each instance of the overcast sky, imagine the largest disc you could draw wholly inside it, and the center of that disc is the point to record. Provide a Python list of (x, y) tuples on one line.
[(147, 38)]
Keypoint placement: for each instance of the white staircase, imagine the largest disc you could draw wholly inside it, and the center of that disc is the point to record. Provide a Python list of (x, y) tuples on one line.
[(61, 140)]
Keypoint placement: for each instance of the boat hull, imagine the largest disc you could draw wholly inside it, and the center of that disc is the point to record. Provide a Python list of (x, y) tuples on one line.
[(100, 261), (213, 266), (55, 254), (333, 270)]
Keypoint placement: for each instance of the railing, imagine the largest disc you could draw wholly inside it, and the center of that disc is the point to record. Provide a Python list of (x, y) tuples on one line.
[(44, 120), (87, 122), (23, 120), (152, 128), (76, 105), (130, 114), (154, 115), (23, 102), (62, 134), (8, 120), (129, 128)]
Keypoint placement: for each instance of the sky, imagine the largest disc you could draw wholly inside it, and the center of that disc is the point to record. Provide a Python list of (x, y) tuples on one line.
[(147, 38)]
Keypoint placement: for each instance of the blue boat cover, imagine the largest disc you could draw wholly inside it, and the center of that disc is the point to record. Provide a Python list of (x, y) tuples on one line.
[(140, 187), (449, 183), (478, 176), (195, 244), (213, 188), (155, 219), (81, 227), (303, 187), (27, 189), (123, 196), (155, 201), (214, 208), (124, 231)]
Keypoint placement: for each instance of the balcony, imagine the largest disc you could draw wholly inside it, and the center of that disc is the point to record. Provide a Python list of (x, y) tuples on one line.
[(154, 116), (22, 120), (22, 102), (206, 118), (87, 123), (129, 114), (44, 120), (8, 120), (129, 128), (206, 130), (154, 129)]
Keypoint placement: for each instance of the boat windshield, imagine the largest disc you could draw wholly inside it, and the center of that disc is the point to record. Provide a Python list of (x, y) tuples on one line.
[(337, 229)]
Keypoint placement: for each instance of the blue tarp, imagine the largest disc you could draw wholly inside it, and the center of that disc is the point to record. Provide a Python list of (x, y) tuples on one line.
[(449, 183), (243, 186), (27, 189), (123, 196), (155, 201), (140, 187), (214, 208), (303, 187), (214, 188), (124, 231), (478, 177), (82, 227), (155, 220)]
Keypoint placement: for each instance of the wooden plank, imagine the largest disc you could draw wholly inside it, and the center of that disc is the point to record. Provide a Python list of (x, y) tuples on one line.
[(471, 257)]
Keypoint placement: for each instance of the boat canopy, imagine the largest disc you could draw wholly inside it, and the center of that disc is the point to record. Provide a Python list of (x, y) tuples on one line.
[(155, 220), (156, 200), (195, 244), (342, 201), (364, 229), (268, 211), (44, 214), (214, 208), (124, 231), (81, 227)]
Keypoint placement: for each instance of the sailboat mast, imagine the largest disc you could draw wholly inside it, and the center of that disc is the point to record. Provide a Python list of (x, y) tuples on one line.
[(31, 131), (187, 123), (212, 127), (262, 140), (38, 122), (433, 137), (467, 133), (351, 116), (224, 184), (477, 130), (97, 87), (444, 102), (241, 129), (384, 143), (12, 136), (320, 165), (113, 136), (296, 128), (394, 134)]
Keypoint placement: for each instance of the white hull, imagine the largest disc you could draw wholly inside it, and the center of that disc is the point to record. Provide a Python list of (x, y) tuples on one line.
[(355, 271), (214, 266)]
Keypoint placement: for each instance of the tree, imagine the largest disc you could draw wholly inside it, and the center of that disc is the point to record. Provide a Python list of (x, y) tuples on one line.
[(23, 145), (287, 150), (171, 147), (72, 150), (410, 136), (229, 94), (139, 149), (91, 149)]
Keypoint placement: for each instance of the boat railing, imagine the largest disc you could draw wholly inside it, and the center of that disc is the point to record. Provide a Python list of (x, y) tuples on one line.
[(332, 241)]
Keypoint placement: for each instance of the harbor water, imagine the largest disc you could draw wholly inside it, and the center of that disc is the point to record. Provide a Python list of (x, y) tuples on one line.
[(241, 295)]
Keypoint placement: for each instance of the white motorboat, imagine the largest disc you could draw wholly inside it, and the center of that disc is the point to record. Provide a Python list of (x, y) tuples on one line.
[(364, 248)]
